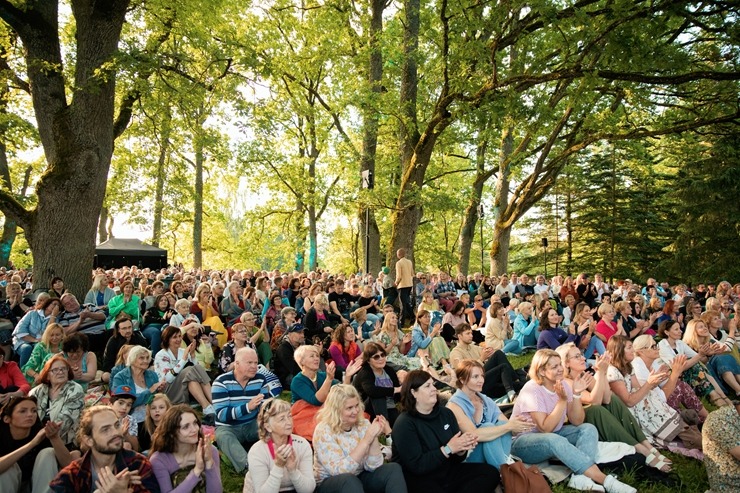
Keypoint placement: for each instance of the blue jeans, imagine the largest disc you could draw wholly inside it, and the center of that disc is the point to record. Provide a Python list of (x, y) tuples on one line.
[(574, 446), (153, 334), (494, 452), (24, 352), (531, 339), (595, 345), (512, 346)]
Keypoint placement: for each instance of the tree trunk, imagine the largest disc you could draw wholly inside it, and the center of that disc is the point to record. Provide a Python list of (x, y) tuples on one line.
[(102, 225), (471, 216), (502, 229), (568, 227), (300, 236), (370, 138), (164, 150), (198, 205), (9, 227), (313, 260)]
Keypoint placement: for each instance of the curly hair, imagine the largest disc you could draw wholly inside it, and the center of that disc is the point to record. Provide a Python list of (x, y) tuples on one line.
[(268, 410), (165, 436), (331, 411)]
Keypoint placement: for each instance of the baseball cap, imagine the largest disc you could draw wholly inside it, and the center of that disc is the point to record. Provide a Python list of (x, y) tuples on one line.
[(122, 391), (296, 328)]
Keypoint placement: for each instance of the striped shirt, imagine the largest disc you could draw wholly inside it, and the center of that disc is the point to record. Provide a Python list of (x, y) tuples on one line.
[(230, 398)]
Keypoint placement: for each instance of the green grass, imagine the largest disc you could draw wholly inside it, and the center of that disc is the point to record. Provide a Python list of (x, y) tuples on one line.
[(690, 473)]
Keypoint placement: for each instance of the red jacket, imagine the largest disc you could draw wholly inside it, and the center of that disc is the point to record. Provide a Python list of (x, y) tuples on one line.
[(11, 376)]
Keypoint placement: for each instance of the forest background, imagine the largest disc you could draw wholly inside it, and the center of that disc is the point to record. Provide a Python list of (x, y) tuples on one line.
[(237, 132)]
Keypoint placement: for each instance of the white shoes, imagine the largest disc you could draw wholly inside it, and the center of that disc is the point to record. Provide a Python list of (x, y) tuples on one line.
[(613, 485), (583, 483), (209, 410)]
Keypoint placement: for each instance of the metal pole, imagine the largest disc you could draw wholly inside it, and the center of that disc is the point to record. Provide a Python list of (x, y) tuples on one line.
[(545, 247), (367, 240)]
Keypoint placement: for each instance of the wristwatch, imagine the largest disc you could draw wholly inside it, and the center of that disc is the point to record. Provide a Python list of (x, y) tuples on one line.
[(447, 450)]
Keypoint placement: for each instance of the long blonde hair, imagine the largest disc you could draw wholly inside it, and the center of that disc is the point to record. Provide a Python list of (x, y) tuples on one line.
[(331, 411), (690, 336)]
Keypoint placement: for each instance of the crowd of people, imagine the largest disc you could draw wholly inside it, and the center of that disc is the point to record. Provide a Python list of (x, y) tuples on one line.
[(396, 384)]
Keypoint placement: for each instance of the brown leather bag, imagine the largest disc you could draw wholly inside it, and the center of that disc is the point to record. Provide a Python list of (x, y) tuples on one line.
[(518, 478)]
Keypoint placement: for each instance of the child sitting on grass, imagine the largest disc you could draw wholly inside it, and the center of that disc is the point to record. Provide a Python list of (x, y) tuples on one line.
[(121, 400)]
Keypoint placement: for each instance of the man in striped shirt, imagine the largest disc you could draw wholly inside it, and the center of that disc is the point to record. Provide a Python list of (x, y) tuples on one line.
[(237, 397)]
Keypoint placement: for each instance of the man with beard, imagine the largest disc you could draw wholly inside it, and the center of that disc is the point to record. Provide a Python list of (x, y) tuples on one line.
[(106, 466)]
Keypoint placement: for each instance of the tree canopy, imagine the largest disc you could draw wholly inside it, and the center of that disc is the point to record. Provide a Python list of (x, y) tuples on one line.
[(236, 133)]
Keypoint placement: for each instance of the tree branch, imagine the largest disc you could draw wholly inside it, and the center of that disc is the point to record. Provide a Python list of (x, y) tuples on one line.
[(445, 173), (326, 197), (13, 209)]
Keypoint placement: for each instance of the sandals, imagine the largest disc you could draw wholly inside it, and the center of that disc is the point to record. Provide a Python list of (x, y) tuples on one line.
[(663, 464), (721, 401)]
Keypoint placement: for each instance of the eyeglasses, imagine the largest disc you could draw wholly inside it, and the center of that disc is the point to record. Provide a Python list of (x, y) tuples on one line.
[(378, 356), (577, 356), (58, 370)]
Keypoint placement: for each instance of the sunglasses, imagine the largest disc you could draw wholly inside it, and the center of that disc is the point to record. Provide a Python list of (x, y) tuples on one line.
[(378, 356)]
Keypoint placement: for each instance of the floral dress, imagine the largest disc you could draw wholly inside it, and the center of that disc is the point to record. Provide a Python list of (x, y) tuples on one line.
[(395, 356), (658, 420)]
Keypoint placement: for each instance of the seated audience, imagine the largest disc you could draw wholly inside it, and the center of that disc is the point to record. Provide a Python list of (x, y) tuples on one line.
[(237, 397), (106, 462), (12, 382), (59, 398), (477, 414), (545, 402), (423, 336), (280, 460), (378, 383), (347, 454), (30, 452), (123, 333), (499, 334), (343, 349), (183, 461), (526, 326), (30, 329), (184, 378), (84, 363), (284, 363), (141, 381), (49, 345), (155, 409), (430, 447), (396, 344)]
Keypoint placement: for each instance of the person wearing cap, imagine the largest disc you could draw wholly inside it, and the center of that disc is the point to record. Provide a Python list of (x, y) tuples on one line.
[(121, 400), (237, 397), (284, 364)]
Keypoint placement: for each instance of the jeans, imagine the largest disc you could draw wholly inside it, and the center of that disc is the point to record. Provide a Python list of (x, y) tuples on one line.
[(512, 346), (574, 446), (24, 352), (595, 345), (153, 334), (234, 440), (494, 452)]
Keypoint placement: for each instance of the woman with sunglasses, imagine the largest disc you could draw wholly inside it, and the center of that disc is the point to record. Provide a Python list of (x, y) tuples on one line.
[(607, 412), (280, 460), (31, 453), (378, 383), (677, 393)]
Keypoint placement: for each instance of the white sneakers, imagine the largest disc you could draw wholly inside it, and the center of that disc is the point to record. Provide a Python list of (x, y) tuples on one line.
[(583, 483), (613, 485)]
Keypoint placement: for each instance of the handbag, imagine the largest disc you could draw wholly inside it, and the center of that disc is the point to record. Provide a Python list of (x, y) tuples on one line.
[(518, 478)]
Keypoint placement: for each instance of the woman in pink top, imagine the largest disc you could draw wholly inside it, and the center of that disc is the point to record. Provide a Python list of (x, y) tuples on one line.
[(545, 401)]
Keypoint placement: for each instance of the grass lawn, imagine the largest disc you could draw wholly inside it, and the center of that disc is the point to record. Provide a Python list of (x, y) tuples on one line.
[(690, 473)]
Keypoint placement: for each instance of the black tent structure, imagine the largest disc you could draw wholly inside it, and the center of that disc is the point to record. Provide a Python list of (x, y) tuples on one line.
[(122, 252)]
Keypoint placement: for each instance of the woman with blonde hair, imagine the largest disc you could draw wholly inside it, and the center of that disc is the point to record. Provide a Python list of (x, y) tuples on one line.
[(280, 460), (545, 401), (722, 365), (526, 326), (646, 401), (606, 411), (393, 340), (204, 307), (347, 455), (49, 345), (678, 394), (100, 294)]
